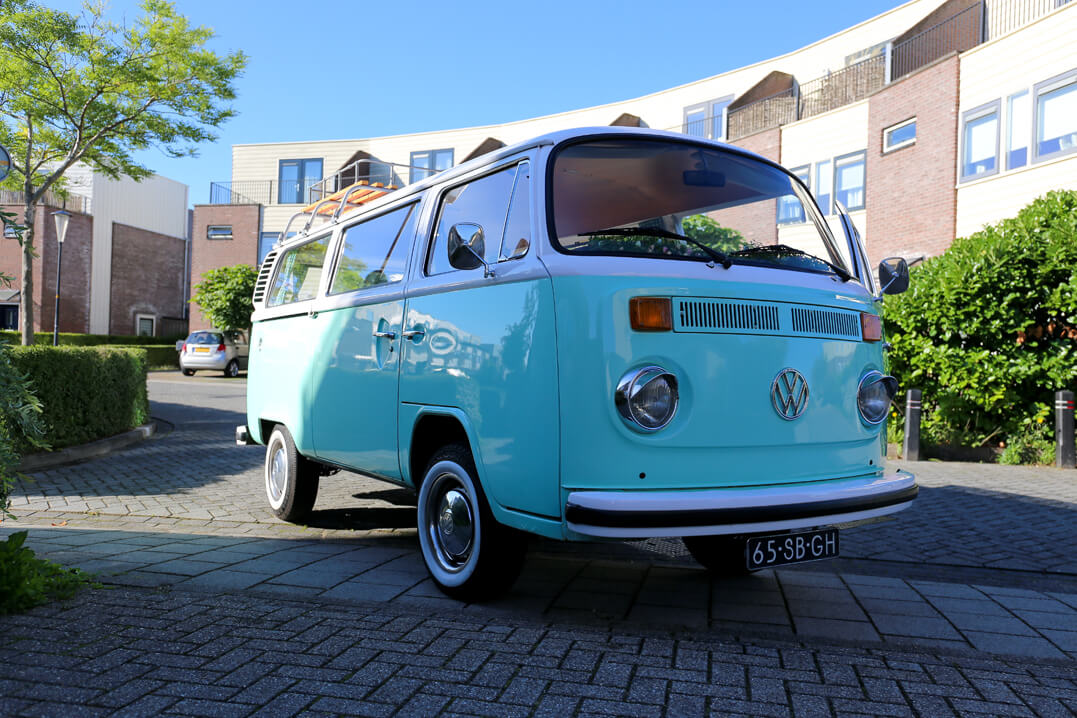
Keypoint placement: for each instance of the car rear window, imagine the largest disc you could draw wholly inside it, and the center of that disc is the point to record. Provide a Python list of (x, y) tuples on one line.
[(205, 338)]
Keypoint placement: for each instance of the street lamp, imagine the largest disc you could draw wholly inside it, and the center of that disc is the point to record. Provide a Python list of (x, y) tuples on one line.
[(62, 217)]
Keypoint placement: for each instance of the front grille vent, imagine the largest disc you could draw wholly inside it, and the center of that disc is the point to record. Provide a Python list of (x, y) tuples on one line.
[(821, 321), (264, 274), (703, 315)]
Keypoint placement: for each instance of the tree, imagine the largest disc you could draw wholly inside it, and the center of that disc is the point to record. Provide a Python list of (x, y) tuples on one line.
[(80, 88), (225, 296), (705, 229)]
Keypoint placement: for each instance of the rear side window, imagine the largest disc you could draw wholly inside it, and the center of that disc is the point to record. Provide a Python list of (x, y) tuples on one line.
[(375, 252), (484, 202), (298, 273)]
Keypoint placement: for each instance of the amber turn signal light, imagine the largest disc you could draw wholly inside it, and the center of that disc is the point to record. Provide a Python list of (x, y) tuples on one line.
[(650, 314), (871, 327)]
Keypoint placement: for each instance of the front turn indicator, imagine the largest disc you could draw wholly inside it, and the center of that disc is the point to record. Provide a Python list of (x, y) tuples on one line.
[(651, 314)]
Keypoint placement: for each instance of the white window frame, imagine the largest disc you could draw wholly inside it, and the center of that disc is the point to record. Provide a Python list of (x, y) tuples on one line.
[(841, 161), (994, 107), (893, 128), (707, 108), (1055, 83), (803, 173), (153, 322), (210, 236), (1029, 137)]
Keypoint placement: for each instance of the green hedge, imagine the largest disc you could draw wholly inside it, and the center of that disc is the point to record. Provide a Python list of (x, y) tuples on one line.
[(157, 357), (87, 340), (86, 393)]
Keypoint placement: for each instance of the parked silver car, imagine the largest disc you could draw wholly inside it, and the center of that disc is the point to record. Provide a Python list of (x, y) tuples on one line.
[(225, 351)]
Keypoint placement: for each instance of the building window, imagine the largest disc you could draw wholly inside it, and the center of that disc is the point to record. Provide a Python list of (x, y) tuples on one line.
[(1018, 129), (900, 135), (9, 316), (219, 231), (1056, 116), (265, 245), (707, 119), (790, 210), (430, 161), (824, 183), (979, 142), (145, 325), (295, 178), (849, 180)]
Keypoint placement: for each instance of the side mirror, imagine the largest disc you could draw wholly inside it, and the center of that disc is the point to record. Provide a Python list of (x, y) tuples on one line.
[(894, 275), (466, 246)]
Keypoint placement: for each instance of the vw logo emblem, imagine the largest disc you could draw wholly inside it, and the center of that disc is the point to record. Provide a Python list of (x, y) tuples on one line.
[(789, 394)]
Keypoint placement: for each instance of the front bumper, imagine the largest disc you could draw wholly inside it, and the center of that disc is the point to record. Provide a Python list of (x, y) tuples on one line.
[(645, 514)]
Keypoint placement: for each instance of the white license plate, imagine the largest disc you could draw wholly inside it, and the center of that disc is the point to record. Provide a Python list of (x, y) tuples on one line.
[(769, 551)]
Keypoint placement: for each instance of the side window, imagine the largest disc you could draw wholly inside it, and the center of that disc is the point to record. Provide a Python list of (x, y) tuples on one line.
[(517, 238), (375, 251), (484, 202), (298, 273)]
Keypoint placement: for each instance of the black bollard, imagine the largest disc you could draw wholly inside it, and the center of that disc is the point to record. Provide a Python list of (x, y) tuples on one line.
[(1064, 453), (912, 425)]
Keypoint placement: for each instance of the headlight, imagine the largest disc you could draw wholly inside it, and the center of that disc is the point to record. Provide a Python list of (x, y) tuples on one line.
[(874, 395), (647, 398)]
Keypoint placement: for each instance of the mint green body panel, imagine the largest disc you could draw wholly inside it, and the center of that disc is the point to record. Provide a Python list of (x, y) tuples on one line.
[(726, 431), (277, 390), (353, 387), (490, 351)]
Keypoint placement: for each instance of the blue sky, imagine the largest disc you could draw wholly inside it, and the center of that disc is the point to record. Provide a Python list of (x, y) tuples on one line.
[(341, 70)]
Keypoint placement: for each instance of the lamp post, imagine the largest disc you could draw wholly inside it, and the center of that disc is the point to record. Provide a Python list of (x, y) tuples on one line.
[(62, 217)]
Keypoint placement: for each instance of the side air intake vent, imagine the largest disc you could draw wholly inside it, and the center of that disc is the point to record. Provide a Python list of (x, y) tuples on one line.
[(264, 274), (821, 321), (702, 315)]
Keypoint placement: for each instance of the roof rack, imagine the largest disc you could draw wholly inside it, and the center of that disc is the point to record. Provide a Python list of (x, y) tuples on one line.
[(332, 203)]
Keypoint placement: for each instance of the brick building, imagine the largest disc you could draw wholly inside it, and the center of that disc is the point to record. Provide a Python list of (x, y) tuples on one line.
[(927, 121), (124, 264)]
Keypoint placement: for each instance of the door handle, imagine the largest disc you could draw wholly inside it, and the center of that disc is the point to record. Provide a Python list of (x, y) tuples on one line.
[(387, 335), (413, 333)]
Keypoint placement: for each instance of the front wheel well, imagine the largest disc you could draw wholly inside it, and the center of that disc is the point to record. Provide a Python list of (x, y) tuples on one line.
[(432, 432)]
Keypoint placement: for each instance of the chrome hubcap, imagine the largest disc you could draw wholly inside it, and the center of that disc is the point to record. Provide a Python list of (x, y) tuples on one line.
[(278, 473), (450, 523)]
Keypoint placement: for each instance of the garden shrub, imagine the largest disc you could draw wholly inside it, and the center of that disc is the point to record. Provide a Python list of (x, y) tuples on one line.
[(88, 340), (988, 330), (27, 581), (86, 393), (157, 357)]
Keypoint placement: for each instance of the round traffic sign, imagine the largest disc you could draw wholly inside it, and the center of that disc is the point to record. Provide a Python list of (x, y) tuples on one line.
[(5, 163)]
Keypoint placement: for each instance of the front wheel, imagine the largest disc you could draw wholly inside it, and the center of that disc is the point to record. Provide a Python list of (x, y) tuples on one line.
[(469, 555), (291, 479), (721, 555), (188, 372)]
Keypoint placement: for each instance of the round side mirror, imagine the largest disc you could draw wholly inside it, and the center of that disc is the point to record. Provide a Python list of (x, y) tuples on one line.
[(894, 275), (466, 246)]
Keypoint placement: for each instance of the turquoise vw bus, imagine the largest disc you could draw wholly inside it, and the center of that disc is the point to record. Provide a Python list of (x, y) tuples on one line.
[(597, 334)]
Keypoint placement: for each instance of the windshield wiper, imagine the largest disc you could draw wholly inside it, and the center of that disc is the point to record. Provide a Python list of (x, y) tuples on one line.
[(786, 249), (714, 254)]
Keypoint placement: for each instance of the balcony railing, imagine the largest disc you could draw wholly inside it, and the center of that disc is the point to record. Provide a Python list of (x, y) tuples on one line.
[(245, 192), (74, 202), (955, 34), (843, 87), (778, 109)]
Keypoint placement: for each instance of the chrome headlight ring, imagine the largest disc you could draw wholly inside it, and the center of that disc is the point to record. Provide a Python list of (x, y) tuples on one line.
[(872, 410), (638, 386)]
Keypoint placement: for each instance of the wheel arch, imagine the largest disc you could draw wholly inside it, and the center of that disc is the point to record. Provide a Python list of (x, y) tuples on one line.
[(433, 428)]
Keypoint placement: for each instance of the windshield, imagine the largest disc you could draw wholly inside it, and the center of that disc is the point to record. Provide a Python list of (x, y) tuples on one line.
[(676, 200)]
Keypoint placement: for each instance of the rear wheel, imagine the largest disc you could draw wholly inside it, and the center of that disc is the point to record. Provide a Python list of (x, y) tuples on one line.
[(232, 370), (188, 372), (469, 555), (291, 479), (721, 555)]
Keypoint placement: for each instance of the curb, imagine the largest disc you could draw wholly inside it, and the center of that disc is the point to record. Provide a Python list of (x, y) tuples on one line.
[(47, 460)]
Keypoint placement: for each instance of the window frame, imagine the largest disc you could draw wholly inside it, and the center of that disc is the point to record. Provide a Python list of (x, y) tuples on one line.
[(887, 148), (432, 231), (1029, 138), (302, 161), (829, 209), (1068, 78), (707, 108), (153, 324), (222, 236), (329, 237), (413, 165), (994, 107), (807, 184), (415, 205), (863, 156)]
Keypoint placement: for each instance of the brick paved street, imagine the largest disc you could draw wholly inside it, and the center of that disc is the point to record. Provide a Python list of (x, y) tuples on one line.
[(964, 604)]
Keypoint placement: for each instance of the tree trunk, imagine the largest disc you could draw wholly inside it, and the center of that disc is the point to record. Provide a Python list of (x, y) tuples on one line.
[(26, 293)]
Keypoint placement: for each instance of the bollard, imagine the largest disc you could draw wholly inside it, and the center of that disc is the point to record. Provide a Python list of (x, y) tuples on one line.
[(1064, 453), (912, 425)]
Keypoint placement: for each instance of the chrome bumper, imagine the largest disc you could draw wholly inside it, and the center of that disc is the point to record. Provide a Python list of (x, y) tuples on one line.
[(644, 514)]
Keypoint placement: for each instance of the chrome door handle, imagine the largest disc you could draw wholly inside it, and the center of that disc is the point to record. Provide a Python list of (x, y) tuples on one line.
[(413, 333), (386, 335)]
